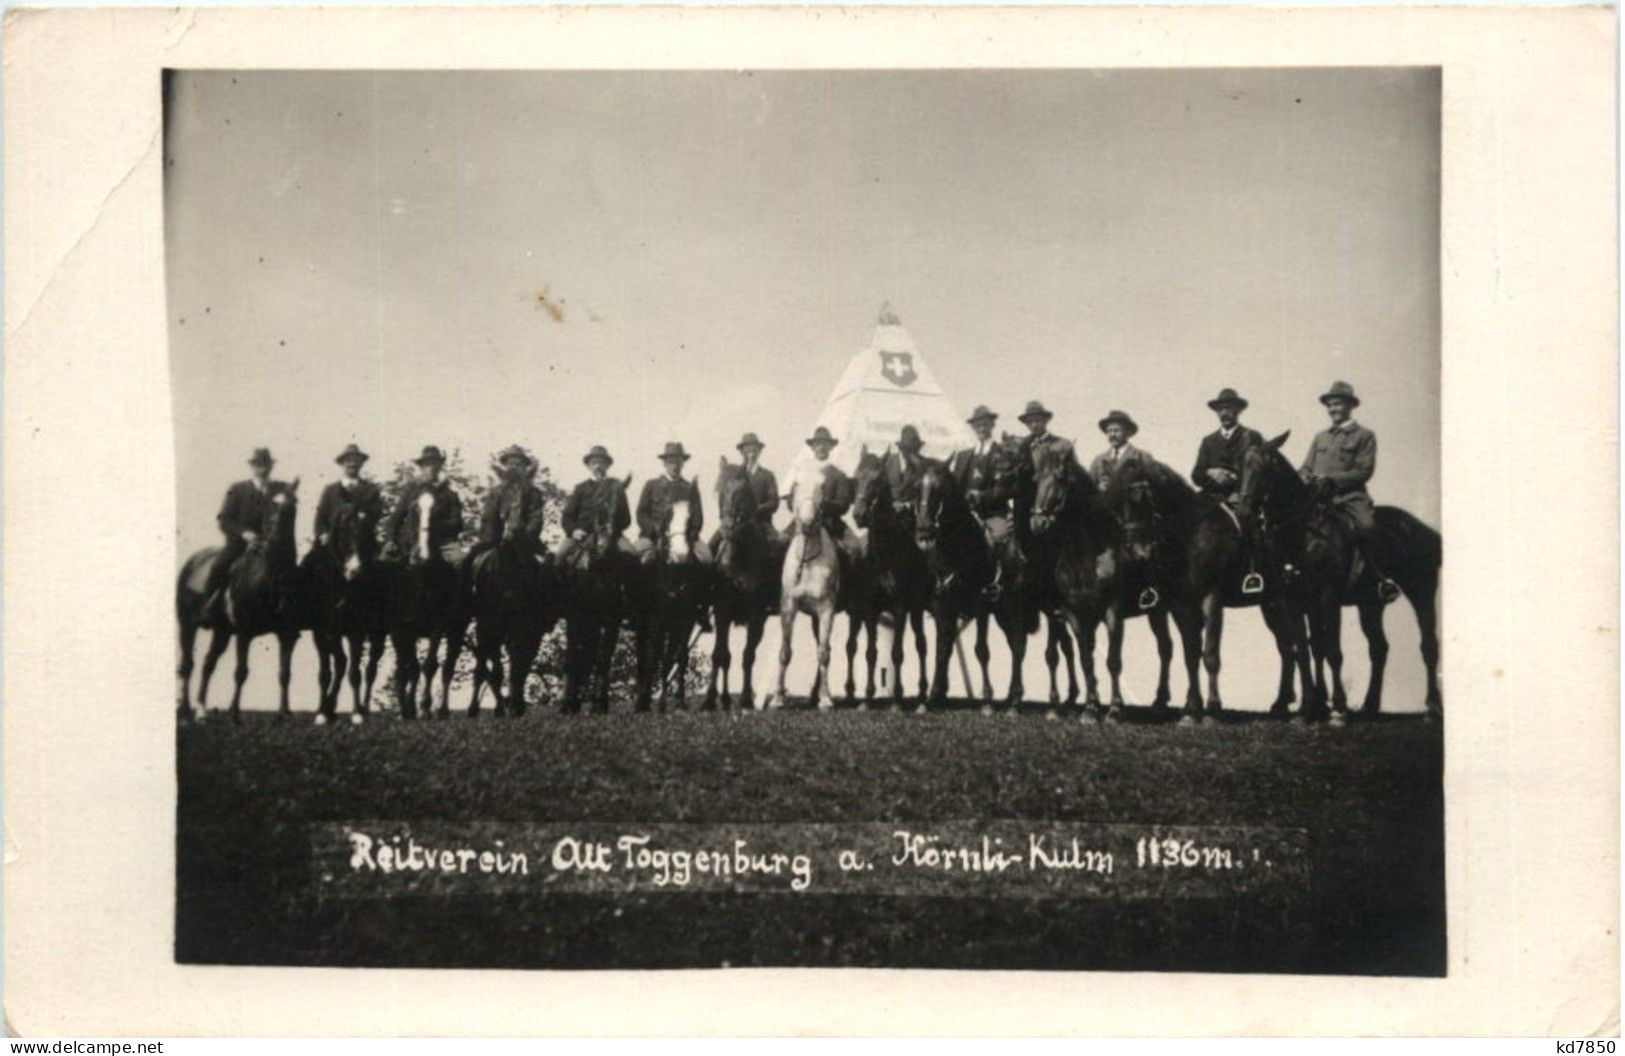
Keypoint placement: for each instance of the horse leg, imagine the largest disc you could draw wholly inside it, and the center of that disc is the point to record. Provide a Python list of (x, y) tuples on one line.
[(1086, 660), (753, 638), (676, 669), (1015, 637), (1158, 618), (854, 625), (522, 650), (240, 675), (183, 670), (720, 659), (787, 623), (284, 672), (947, 622), (574, 646), (1071, 664), (1052, 657), (1188, 622), (375, 647), (324, 675), (448, 668), (983, 655), (431, 666), (824, 628), (1332, 627), (1213, 635), (1285, 692), (899, 632), (496, 673), (921, 648), (217, 646), (357, 648), (331, 656), (871, 656), (1114, 658), (406, 673), (643, 645), (1422, 603)]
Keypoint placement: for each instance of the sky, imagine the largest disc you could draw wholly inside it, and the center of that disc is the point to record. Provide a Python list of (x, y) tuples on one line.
[(568, 258)]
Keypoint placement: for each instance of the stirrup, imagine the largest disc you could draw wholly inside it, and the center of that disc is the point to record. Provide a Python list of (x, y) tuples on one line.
[(1149, 598), (1252, 583), (1388, 591)]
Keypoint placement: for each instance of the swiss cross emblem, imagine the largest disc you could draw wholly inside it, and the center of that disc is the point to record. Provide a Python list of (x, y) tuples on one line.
[(898, 367)]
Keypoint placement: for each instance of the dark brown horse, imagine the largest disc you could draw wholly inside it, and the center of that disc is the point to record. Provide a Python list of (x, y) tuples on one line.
[(1210, 560), (961, 564), (672, 592), (745, 588), (515, 603), (348, 595), (1147, 499), (264, 595), (595, 581), (890, 578), (1317, 545), (429, 600), (1070, 544)]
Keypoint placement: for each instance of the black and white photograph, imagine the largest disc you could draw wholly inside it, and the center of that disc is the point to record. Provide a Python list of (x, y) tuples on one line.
[(822, 518)]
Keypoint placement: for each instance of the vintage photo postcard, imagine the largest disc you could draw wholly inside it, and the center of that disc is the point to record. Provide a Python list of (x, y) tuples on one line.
[(733, 491)]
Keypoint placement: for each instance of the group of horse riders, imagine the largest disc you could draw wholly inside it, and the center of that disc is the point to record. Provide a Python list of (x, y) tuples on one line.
[(1339, 464)]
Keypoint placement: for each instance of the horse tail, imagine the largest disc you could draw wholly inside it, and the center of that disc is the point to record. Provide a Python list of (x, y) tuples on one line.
[(1417, 550)]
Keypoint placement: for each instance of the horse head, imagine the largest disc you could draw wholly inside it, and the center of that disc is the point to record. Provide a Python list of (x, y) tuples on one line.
[(602, 534), (351, 540), (736, 507), (810, 505), (870, 489), (676, 530), (280, 515), (936, 502), (1131, 497), (422, 551), (1052, 488), (1267, 478)]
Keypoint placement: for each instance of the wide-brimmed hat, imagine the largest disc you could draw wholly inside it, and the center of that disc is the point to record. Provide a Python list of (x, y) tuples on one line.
[(1035, 409), (1341, 390), (1121, 418), (1227, 398), (749, 440), (261, 457), (349, 452), (821, 435), (909, 439), (513, 452), (431, 454), (598, 451), (674, 449), (982, 413)]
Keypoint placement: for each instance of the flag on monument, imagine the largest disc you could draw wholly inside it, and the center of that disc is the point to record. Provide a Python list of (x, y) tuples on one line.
[(885, 387)]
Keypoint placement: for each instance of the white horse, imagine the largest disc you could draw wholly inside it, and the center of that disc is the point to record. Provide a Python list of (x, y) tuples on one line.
[(809, 584)]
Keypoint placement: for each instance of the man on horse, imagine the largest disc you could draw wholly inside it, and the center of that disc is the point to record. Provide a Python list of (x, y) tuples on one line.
[(987, 478), (588, 496), (429, 495), (1218, 460), (1218, 470), (1119, 428), (349, 490), (837, 495), (514, 508), (658, 498), (764, 486), (1036, 417), (241, 519), (905, 488), (1341, 460)]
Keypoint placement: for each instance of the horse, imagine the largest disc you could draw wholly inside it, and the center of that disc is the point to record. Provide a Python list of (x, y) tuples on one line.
[(745, 588), (428, 599), (1327, 573), (888, 578), (514, 603), (595, 581), (264, 595), (1146, 501), (810, 583), (347, 597), (962, 564), (1210, 566), (671, 599), (1071, 549)]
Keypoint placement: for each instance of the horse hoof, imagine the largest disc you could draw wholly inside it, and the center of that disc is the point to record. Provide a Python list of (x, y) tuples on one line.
[(1192, 717), (1340, 718), (321, 718), (356, 718), (1052, 714), (826, 704), (986, 709), (1115, 713)]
